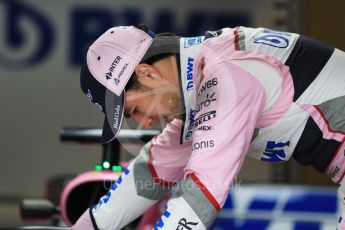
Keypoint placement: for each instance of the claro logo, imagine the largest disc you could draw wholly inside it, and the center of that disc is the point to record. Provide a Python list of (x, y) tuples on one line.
[(206, 103)]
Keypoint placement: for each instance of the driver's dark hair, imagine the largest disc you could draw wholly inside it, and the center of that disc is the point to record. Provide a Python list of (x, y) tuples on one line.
[(133, 83)]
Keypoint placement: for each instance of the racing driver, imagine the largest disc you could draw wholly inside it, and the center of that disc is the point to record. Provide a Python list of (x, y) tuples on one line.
[(236, 91)]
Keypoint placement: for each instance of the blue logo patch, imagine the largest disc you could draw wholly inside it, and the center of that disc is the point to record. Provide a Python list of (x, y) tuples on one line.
[(192, 41), (274, 38), (274, 152)]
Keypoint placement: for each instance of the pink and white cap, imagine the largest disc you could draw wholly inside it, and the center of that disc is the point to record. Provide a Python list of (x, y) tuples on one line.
[(113, 57), (110, 62)]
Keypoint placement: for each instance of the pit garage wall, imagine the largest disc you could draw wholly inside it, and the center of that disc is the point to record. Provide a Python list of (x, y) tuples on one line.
[(41, 46)]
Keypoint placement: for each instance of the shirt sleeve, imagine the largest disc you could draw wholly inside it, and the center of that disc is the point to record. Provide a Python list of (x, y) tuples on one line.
[(148, 178), (229, 101)]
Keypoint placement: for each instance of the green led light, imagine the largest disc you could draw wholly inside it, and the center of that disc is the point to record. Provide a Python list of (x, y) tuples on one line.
[(106, 165), (98, 167), (117, 168)]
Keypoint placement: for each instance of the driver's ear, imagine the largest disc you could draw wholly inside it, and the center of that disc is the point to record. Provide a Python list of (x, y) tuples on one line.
[(147, 75)]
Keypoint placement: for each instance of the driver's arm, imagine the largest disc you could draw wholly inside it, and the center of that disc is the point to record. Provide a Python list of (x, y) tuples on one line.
[(151, 174), (222, 134)]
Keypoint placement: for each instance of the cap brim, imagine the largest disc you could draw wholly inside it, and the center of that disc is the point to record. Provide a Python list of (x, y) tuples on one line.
[(114, 116)]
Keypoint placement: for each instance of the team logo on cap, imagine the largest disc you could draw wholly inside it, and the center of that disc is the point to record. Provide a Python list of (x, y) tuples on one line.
[(118, 78), (112, 67)]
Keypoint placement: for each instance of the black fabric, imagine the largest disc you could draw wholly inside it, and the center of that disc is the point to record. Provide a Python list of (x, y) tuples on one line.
[(212, 34), (107, 133), (94, 90), (163, 45), (306, 60), (178, 62), (93, 219), (312, 149)]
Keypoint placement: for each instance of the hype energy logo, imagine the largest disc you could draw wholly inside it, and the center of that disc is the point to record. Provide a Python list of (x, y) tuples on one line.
[(19, 19), (274, 151), (273, 38)]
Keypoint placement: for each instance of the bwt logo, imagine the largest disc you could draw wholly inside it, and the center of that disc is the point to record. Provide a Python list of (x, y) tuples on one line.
[(17, 38), (274, 152), (190, 73), (25, 23)]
